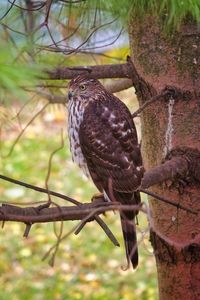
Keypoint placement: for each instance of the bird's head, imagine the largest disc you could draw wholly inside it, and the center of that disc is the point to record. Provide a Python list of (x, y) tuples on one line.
[(83, 87)]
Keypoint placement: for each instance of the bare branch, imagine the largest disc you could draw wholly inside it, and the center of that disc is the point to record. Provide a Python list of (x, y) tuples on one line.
[(49, 192), (27, 229), (182, 163), (119, 85), (147, 103), (41, 190), (12, 29), (81, 51), (63, 213), (103, 71), (28, 9), (24, 129), (68, 50), (164, 199), (175, 167), (52, 98), (48, 8), (8, 10), (165, 94), (33, 215), (50, 165), (114, 87), (86, 212)]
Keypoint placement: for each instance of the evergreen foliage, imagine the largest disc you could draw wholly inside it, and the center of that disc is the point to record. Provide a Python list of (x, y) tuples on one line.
[(16, 73), (174, 11)]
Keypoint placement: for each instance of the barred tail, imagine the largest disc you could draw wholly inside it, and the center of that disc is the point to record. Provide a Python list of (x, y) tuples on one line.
[(128, 225), (130, 240)]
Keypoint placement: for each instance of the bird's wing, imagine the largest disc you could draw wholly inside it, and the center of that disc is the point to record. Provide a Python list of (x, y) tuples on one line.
[(108, 140)]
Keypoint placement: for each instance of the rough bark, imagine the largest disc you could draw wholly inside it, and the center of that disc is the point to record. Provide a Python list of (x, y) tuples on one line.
[(104, 71), (163, 61)]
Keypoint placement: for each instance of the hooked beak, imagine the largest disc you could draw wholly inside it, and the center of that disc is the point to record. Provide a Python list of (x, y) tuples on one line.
[(70, 94)]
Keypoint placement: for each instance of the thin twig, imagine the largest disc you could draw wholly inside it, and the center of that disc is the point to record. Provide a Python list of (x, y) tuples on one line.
[(8, 10), (59, 239), (41, 190), (173, 203), (147, 103), (91, 34), (27, 229), (29, 9), (58, 236), (48, 8), (107, 231), (50, 164), (24, 129)]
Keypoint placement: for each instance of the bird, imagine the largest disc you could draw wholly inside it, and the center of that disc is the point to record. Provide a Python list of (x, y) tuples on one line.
[(104, 143)]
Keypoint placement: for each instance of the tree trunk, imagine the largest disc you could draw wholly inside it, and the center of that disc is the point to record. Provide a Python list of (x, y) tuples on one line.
[(163, 61)]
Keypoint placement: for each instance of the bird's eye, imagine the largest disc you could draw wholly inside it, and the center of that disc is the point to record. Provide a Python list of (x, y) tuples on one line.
[(82, 87)]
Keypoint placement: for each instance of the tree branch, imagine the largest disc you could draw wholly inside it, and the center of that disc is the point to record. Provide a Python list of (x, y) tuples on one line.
[(179, 163), (52, 98), (61, 213), (100, 71), (119, 85), (86, 212), (182, 163), (114, 87), (177, 166), (41, 190)]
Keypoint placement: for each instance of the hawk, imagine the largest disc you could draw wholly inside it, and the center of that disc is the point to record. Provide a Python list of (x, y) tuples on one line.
[(103, 142)]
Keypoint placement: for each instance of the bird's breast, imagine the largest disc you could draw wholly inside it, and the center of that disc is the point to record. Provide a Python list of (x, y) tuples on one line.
[(75, 117)]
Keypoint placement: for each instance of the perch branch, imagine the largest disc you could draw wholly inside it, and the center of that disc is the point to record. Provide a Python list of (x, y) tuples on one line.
[(31, 215), (87, 212), (61, 196), (178, 165)]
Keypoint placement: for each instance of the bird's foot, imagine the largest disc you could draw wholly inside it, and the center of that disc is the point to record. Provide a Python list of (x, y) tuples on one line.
[(98, 198)]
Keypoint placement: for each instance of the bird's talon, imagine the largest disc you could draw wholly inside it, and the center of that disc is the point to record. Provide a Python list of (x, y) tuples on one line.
[(98, 199)]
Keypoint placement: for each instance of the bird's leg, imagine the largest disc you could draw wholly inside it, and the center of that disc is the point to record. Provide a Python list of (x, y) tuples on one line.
[(98, 198)]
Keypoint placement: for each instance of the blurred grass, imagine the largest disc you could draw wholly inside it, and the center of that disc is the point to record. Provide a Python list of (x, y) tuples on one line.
[(87, 266)]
